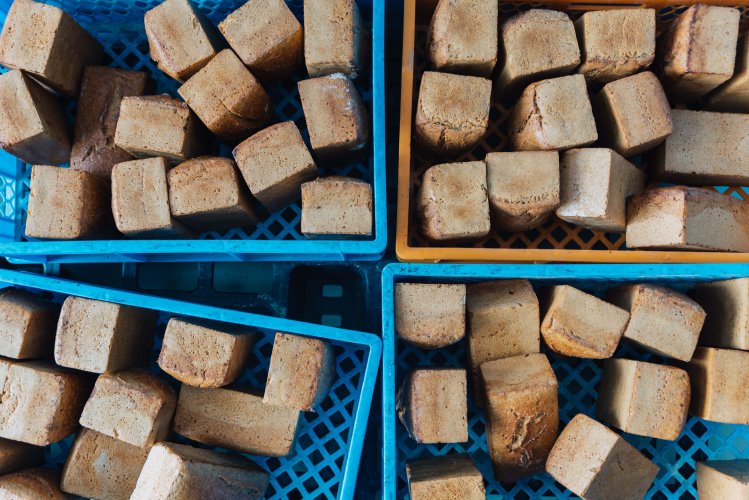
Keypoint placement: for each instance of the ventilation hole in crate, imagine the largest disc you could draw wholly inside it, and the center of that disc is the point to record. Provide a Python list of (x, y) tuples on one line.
[(283, 479), (437, 358), (345, 434), (334, 320), (326, 473), (320, 430), (331, 445), (698, 428), (685, 442), (342, 392), (522, 495), (672, 486), (304, 442), (347, 364), (310, 484)]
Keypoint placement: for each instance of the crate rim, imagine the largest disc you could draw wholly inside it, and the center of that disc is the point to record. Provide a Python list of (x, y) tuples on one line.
[(342, 249), (373, 344), (592, 272), (407, 253)]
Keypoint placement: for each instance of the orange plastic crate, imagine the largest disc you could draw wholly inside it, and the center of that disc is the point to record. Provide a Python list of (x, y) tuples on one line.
[(556, 240)]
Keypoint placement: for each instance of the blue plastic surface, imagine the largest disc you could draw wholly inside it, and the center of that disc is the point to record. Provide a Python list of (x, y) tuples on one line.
[(118, 25), (578, 379), (325, 458)]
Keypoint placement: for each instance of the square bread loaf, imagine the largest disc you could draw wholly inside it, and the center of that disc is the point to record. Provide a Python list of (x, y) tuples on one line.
[(275, 162), (443, 476), (727, 306), (267, 36), (46, 43), (733, 95), (593, 461), (140, 200), (430, 315), (301, 372), (98, 111), (698, 51), (523, 188), (536, 44), (581, 325), (99, 466), (27, 325), (67, 204), (33, 125), (41, 401), (335, 206), (463, 37), (32, 484), (204, 354), (432, 404), (98, 336), (181, 39), (647, 399), (615, 43), (335, 114), (719, 479), (452, 202), (210, 416), (595, 185), (134, 406), (522, 414), (208, 194), (158, 126), (452, 113), (227, 98), (180, 472), (705, 148), (688, 219), (334, 39), (553, 114), (633, 114), (719, 393), (661, 320)]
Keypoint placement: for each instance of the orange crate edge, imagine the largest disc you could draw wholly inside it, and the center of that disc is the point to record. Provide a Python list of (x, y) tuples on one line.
[(406, 253)]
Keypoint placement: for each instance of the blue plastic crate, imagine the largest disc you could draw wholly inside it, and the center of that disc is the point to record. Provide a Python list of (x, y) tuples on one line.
[(345, 295), (578, 379), (325, 459), (118, 25)]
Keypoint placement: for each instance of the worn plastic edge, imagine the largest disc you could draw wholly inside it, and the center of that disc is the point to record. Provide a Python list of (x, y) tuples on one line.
[(372, 342), (175, 250), (406, 253), (594, 272)]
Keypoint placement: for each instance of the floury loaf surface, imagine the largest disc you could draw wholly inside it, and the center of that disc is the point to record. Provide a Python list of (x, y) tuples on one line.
[(453, 203), (523, 188), (536, 44), (553, 114), (698, 51), (615, 43), (463, 37), (687, 219), (452, 113)]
